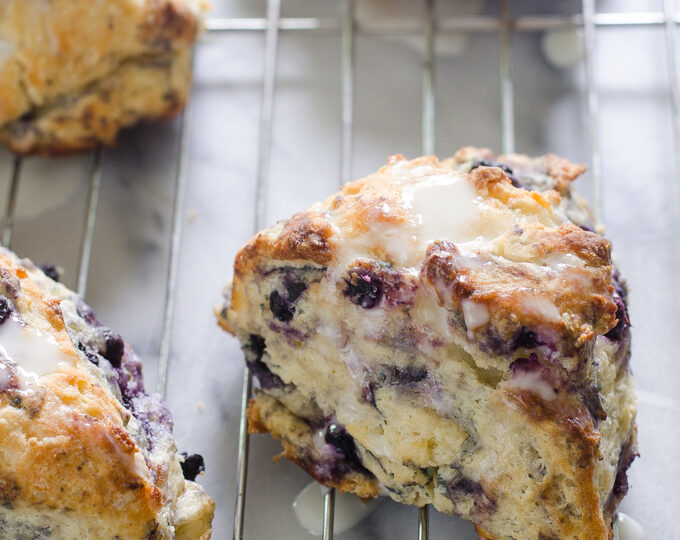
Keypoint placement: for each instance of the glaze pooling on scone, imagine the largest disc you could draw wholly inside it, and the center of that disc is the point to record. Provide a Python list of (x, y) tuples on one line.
[(73, 73), (463, 327), (34, 352), (85, 451)]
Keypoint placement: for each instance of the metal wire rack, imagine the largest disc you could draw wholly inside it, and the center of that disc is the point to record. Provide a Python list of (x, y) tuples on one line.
[(347, 27)]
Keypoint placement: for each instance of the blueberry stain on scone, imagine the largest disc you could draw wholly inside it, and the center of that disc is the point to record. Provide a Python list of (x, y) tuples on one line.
[(88, 450), (363, 289), (5, 309), (254, 350), (51, 270), (464, 343)]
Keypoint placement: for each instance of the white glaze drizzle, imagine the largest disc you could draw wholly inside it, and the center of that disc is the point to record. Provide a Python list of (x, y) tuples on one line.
[(533, 382), (5, 377), (540, 306), (349, 509), (626, 528), (443, 207), (475, 314), (35, 352)]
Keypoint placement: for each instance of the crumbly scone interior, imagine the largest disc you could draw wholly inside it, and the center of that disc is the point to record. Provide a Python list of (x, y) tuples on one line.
[(485, 373)]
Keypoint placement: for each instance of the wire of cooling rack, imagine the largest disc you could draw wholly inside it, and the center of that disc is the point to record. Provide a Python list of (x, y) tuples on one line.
[(10, 202), (261, 185), (588, 11), (90, 222), (347, 77), (445, 25), (428, 116), (181, 176), (669, 9), (507, 89)]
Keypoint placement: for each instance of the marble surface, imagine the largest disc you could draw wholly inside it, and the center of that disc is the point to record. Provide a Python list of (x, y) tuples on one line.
[(131, 247)]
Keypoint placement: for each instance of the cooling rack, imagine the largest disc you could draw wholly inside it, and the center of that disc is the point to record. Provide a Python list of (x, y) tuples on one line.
[(347, 26)]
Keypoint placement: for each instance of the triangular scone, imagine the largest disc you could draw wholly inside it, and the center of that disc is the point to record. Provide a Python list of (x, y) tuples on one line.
[(85, 452), (73, 73), (448, 333)]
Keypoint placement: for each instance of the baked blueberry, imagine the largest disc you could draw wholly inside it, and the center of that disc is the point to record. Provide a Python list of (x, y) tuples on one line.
[(115, 347), (192, 466), (5, 309), (363, 289), (50, 270), (281, 308)]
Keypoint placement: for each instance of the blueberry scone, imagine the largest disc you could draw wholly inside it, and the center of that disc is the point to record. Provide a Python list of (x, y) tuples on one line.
[(450, 333), (73, 73), (85, 452)]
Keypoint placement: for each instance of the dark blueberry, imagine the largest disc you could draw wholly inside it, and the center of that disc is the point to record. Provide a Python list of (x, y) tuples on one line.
[(406, 376), (89, 353), (593, 402), (5, 309), (254, 351), (619, 287), (115, 348), (281, 308), (626, 456), (50, 270), (86, 313), (255, 346), (338, 438), (461, 489), (363, 290), (490, 163), (192, 466), (622, 324), (264, 375), (294, 289), (526, 338), (130, 381)]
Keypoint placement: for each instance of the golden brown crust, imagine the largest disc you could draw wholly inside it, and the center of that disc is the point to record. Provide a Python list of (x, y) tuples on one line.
[(267, 415), (305, 236), (78, 73), (505, 288)]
